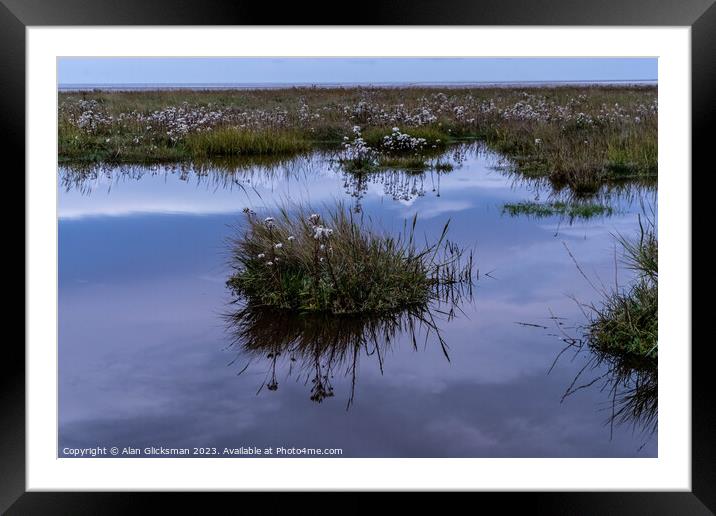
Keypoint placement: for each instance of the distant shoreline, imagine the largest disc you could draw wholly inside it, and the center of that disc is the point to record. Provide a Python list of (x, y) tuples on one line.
[(278, 86)]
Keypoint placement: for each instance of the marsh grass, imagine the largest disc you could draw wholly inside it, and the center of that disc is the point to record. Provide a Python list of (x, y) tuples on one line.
[(620, 337), (626, 322), (578, 137), (337, 263), (572, 210), (231, 141)]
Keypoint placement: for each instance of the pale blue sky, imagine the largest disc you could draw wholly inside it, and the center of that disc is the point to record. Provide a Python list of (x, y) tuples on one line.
[(161, 70)]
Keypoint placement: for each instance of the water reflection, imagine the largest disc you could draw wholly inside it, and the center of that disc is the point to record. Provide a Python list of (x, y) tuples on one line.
[(462, 170), (631, 382), (218, 173), (316, 347), (142, 354)]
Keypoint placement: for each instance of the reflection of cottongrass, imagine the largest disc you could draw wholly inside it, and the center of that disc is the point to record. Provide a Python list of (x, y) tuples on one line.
[(316, 347)]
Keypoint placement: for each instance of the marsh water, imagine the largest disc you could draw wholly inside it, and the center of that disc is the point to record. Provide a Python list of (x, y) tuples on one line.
[(153, 353)]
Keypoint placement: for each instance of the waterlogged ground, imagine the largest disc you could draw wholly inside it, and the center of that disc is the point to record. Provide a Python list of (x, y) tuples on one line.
[(147, 357)]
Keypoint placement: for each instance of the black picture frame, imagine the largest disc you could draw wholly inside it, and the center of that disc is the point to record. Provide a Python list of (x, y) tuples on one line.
[(16, 15)]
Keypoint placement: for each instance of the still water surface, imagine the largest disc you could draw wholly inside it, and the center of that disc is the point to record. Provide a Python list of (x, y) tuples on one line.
[(146, 357)]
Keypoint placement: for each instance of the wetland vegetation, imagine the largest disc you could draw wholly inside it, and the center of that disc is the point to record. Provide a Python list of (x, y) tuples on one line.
[(576, 136), (336, 263)]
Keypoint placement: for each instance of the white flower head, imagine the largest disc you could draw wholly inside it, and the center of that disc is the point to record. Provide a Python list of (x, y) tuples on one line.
[(321, 233), (269, 263), (279, 245), (291, 238), (261, 255)]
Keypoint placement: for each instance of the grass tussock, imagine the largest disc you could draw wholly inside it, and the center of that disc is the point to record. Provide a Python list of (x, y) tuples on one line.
[(626, 322), (337, 264)]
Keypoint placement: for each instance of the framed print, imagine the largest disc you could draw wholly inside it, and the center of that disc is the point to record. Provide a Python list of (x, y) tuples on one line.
[(422, 257)]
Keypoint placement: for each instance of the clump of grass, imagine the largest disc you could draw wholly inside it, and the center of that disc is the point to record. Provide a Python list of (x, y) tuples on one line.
[(231, 141), (377, 149), (410, 163), (626, 323), (584, 210), (336, 264)]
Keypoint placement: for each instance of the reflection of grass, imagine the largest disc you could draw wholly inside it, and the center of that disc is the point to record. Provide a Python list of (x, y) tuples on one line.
[(583, 210), (632, 383), (337, 264), (321, 345)]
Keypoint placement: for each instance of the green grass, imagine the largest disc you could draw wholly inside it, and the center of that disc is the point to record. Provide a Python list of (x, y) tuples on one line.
[(626, 322), (230, 141), (353, 270), (582, 210)]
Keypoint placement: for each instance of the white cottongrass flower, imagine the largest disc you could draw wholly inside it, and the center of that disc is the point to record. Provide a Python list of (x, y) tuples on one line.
[(538, 141), (261, 255), (314, 218), (279, 245), (322, 247), (320, 232), (321, 259), (291, 238), (269, 263)]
